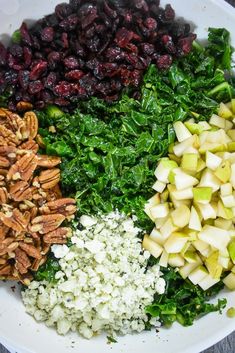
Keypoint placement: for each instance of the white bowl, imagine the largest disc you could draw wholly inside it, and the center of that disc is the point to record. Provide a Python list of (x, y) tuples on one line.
[(18, 330)]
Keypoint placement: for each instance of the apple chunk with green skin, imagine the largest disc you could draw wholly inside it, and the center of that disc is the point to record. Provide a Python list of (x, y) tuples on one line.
[(198, 274), (181, 131), (216, 237), (189, 162), (163, 169), (175, 242), (229, 281), (231, 250), (194, 221), (202, 194), (223, 172), (152, 246), (181, 216)]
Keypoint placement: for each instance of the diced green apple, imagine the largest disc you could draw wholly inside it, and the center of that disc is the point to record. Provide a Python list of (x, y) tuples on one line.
[(224, 112), (175, 242), (200, 165), (231, 250), (198, 274), (228, 201), (229, 281), (181, 131), (156, 236), (185, 194), (202, 194), (217, 121), (232, 177), (160, 211), (204, 125), (212, 160), (176, 260), (167, 228), (180, 148), (208, 179), (216, 237), (213, 266), (163, 169), (191, 257), (152, 246), (223, 172), (207, 211), (228, 125), (194, 128), (159, 186), (184, 181), (189, 162), (163, 261), (233, 105), (226, 189), (208, 282), (231, 134), (223, 223), (224, 212), (194, 221), (181, 216), (185, 270)]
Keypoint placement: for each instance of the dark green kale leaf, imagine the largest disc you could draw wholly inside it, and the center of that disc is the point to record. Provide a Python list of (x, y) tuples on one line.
[(183, 301), (48, 270)]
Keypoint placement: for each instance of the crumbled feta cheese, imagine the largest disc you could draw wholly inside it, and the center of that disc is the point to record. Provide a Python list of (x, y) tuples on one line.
[(103, 283)]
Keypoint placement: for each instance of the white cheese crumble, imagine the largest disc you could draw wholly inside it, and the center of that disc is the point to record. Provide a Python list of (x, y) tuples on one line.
[(103, 284)]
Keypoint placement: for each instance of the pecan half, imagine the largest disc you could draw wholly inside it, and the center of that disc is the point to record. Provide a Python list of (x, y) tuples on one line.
[(64, 206), (3, 230), (7, 137), (14, 220), (31, 122), (49, 178), (17, 125), (48, 161), (23, 169), (3, 195), (58, 236), (5, 270), (37, 263), (30, 250), (20, 191), (4, 162), (46, 223), (53, 193), (22, 261), (30, 145), (7, 151)]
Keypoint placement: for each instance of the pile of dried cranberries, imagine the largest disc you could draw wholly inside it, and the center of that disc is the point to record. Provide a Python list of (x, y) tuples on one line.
[(91, 48)]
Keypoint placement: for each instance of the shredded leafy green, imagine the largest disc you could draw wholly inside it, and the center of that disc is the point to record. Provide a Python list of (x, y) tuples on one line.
[(183, 301), (48, 270)]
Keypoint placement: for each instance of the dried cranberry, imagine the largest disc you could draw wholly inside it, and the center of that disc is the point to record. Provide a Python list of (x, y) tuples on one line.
[(46, 97), (65, 89), (71, 62), (47, 34), (74, 75), (169, 13), (185, 44), (109, 11), (89, 17), (123, 37), (53, 58), (38, 70), (27, 56), (35, 87), (114, 54), (11, 77), (23, 79), (164, 61), (75, 4), (64, 40), (51, 80), (147, 48), (168, 44), (11, 60), (16, 50), (25, 36), (51, 20), (70, 23), (93, 44), (78, 49), (3, 55), (140, 4), (131, 78), (90, 32), (150, 23), (61, 102), (63, 10)]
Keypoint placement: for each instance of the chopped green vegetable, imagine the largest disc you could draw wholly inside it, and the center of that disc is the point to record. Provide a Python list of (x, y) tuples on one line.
[(48, 270), (53, 111), (111, 340), (183, 301), (16, 37)]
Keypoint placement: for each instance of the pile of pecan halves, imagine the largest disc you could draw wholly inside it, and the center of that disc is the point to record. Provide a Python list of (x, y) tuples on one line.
[(31, 205)]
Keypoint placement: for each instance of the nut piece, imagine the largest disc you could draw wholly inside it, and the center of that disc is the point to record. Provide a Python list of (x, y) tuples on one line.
[(31, 122), (3, 195), (23, 106), (7, 137), (20, 191), (48, 161), (64, 206), (49, 178), (5, 270), (3, 231), (14, 220), (30, 250), (4, 162), (22, 261), (27, 146), (17, 125), (47, 223), (58, 236), (23, 169)]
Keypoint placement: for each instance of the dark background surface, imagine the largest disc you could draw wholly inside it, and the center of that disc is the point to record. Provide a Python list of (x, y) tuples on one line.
[(227, 345)]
